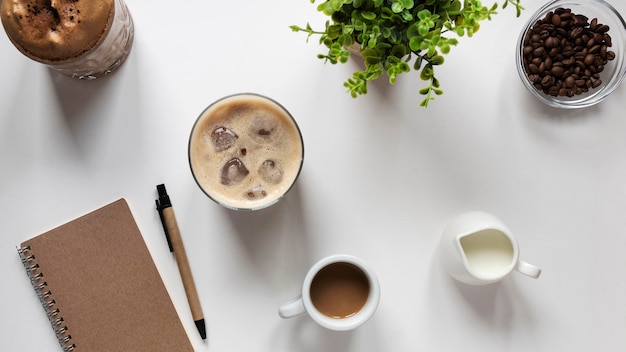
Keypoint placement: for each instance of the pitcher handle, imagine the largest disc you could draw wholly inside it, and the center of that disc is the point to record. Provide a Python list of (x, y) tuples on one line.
[(528, 269), (292, 308)]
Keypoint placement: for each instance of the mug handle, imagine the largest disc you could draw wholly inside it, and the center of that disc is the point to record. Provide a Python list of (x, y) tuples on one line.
[(292, 308), (528, 269)]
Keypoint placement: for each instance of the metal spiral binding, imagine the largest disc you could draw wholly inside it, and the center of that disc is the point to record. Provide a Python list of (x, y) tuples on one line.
[(38, 282)]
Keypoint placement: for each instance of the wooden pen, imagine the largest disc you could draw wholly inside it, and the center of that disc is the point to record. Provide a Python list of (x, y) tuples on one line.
[(175, 242)]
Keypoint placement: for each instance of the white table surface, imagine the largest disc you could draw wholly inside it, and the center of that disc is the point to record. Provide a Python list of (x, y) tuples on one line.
[(381, 178)]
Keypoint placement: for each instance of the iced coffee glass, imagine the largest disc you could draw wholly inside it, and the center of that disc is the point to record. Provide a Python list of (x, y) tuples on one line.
[(245, 151), (84, 39)]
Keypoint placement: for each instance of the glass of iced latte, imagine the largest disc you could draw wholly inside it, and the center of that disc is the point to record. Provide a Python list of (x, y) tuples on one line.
[(245, 151), (85, 39)]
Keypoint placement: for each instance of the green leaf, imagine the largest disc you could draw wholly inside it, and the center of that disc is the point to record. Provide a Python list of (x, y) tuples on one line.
[(336, 4), (424, 15), (418, 63), (325, 8), (372, 60), (455, 6), (399, 50), (407, 16), (413, 30), (427, 72), (437, 60), (415, 43), (368, 15)]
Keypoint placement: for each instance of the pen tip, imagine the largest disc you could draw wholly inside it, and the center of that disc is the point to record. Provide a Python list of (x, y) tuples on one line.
[(201, 328)]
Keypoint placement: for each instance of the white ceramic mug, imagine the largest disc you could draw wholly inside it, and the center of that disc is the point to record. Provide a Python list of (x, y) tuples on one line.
[(477, 248), (339, 292)]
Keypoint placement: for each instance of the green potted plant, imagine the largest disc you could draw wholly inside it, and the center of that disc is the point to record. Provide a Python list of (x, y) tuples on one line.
[(389, 34)]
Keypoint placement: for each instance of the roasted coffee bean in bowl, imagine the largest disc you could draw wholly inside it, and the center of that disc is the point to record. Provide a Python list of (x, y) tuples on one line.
[(571, 52)]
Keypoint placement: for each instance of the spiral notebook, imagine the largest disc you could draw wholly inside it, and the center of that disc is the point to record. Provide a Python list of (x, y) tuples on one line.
[(100, 287)]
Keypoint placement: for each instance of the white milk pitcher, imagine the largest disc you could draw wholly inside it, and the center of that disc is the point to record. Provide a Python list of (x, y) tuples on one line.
[(477, 248)]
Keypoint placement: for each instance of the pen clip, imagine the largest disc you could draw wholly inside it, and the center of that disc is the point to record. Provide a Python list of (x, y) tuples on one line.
[(162, 203)]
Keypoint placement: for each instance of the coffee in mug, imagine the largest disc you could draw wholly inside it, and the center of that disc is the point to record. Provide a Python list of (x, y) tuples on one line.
[(339, 292), (84, 39), (245, 151)]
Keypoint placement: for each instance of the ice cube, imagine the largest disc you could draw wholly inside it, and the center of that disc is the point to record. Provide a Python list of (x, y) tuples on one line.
[(271, 172), (263, 127), (223, 138), (256, 193), (233, 172)]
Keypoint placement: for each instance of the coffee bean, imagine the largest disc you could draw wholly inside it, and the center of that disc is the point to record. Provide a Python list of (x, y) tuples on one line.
[(610, 55), (557, 71), (553, 91), (547, 81), (528, 49), (598, 62), (551, 42), (598, 37), (540, 51), (548, 63), (603, 49), (580, 20), (576, 32), (563, 53), (603, 28)]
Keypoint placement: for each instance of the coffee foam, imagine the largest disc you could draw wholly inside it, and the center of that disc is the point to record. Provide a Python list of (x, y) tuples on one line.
[(56, 30), (246, 115)]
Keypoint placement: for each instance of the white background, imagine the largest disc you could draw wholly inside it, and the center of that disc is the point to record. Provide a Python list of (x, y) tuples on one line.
[(381, 178)]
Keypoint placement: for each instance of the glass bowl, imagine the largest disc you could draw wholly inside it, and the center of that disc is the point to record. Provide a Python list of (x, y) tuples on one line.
[(535, 47)]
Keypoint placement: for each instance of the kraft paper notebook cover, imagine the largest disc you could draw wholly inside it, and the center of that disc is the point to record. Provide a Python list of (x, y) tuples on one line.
[(100, 286)]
